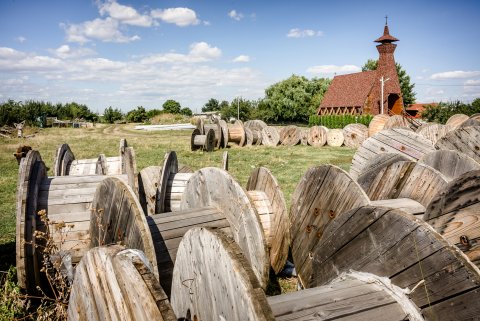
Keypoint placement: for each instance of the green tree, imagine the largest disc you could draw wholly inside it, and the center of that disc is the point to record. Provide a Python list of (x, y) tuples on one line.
[(293, 99), (111, 115), (443, 111), (186, 111), (211, 105), (137, 115), (406, 86), (171, 106), (238, 104)]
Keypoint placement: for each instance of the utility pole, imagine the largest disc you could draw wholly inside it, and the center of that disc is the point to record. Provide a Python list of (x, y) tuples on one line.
[(238, 108), (382, 81)]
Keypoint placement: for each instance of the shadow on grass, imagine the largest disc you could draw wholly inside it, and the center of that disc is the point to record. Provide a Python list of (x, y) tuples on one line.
[(7, 255)]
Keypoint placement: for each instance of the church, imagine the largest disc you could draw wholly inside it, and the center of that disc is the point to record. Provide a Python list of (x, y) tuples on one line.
[(368, 92)]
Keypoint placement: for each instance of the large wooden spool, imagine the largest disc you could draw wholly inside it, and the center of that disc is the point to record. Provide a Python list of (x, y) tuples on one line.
[(397, 140), (355, 135), (66, 164), (270, 136), (470, 122), (67, 200), (267, 197), (463, 139), (213, 281), (304, 136), (374, 165), (290, 135), (397, 121), (377, 124), (433, 132), (317, 136), (450, 163), (455, 214), (236, 134), (322, 193), (248, 137), (405, 179), (255, 124), (393, 244), (114, 283), (456, 120), (224, 127), (203, 142), (335, 137), (217, 129)]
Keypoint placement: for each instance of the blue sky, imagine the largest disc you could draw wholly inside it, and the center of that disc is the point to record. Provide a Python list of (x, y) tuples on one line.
[(127, 53)]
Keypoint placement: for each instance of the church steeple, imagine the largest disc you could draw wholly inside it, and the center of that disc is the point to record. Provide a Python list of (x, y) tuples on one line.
[(386, 38)]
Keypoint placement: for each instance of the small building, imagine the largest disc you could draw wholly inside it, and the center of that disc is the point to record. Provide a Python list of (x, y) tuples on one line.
[(416, 110), (363, 92)]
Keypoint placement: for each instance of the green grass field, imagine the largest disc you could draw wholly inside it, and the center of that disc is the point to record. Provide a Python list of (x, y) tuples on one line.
[(288, 164)]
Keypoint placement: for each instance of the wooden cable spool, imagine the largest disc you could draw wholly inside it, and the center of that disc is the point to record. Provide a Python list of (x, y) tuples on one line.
[(67, 201), (470, 122), (66, 164), (397, 121), (225, 161), (224, 127), (236, 134), (212, 198), (217, 129), (317, 136), (255, 124), (463, 139), (374, 165), (455, 214), (377, 124), (304, 136), (450, 163), (270, 136), (114, 283), (475, 116), (456, 120), (355, 135), (200, 126), (213, 281), (405, 179), (257, 137), (396, 140), (248, 137), (267, 197), (335, 138), (390, 243), (433, 131), (203, 142), (290, 135)]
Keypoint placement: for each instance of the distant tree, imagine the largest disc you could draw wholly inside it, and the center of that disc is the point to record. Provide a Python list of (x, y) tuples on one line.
[(238, 104), (171, 106), (223, 104), (293, 99), (186, 111), (137, 115), (211, 105), (111, 115), (442, 112), (406, 87), (153, 112)]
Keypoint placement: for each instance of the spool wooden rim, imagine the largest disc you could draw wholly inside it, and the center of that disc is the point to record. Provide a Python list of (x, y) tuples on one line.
[(451, 163), (377, 124), (249, 137), (262, 179), (376, 164), (199, 124), (216, 129), (122, 221), (123, 145), (148, 193), (195, 132), (101, 165), (255, 124), (215, 187), (270, 136), (456, 120), (169, 168), (225, 161), (31, 173), (61, 155), (243, 135), (209, 141), (224, 127), (217, 274), (130, 168), (463, 139)]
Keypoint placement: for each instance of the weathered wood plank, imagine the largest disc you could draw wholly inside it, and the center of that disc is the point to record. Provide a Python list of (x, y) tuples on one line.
[(463, 139)]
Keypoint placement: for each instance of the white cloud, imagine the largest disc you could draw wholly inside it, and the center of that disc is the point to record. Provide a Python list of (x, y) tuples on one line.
[(125, 14), (9, 53), (333, 69), (235, 15), (67, 52), (205, 51), (299, 33), (199, 52), (182, 17), (242, 58), (472, 82), (106, 30), (458, 74), (21, 39)]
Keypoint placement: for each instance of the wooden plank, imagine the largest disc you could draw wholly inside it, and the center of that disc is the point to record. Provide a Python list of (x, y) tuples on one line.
[(463, 139), (450, 163)]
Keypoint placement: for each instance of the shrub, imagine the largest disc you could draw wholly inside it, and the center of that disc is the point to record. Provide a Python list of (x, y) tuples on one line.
[(338, 121)]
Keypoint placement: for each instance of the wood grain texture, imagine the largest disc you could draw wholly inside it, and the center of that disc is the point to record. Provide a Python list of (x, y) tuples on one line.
[(217, 129), (393, 244), (169, 168), (255, 124), (455, 214), (236, 134), (355, 135), (215, 187), (149, 180), (470, 122), (224, 127), (377, 124), (450, 163), (278, 236), (270, 136), (397, 121), (397, 140), (225, 161), (335, 137), (374, 165), (290, 135), (456, 120), (248, 137), (433, 132), (118, 218), (317, 136), (304, 136), (114, 283), (323, 193), (463, 139), (212, 280), (62, 161)]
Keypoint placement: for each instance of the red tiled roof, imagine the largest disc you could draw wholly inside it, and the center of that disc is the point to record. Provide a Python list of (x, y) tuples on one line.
[(349, 90), (420, 107), (386, 36)]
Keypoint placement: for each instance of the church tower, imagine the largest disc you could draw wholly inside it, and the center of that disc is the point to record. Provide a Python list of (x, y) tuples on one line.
[(392, 94)]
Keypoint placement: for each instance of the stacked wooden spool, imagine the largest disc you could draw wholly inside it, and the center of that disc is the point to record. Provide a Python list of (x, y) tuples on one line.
[(209, 136)]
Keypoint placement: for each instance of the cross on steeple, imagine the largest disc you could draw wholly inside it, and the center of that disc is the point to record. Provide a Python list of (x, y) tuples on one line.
[(386, 19)]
